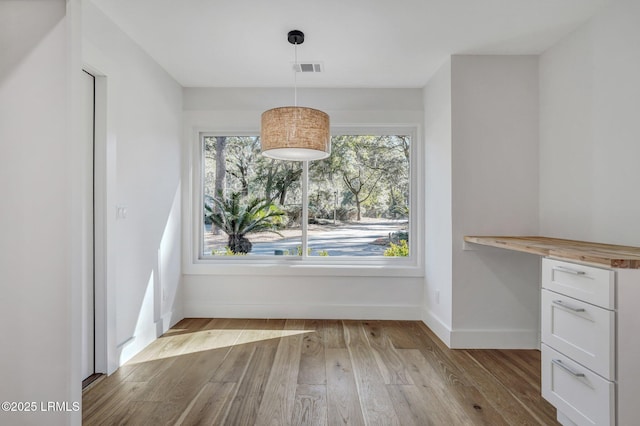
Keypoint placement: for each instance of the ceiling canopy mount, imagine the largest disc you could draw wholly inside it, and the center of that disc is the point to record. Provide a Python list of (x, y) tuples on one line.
[(295, 37)]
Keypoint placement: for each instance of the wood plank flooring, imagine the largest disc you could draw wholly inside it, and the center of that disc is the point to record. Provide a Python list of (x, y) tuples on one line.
[(317, 372)]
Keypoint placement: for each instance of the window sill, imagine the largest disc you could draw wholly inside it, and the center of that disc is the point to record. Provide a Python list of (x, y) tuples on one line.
[(296, 267)]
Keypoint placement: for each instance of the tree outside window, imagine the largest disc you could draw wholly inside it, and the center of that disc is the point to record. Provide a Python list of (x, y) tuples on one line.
[(358, 199)]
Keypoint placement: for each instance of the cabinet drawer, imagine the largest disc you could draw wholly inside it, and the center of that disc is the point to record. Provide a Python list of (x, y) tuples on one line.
[(586, 283), (584, 332), (583, 396)]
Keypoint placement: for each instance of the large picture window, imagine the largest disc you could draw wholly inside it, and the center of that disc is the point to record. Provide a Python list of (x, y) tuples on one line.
[(354, 204)]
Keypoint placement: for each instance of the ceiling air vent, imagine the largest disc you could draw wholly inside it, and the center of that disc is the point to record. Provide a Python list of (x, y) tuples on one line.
[(308, 67)]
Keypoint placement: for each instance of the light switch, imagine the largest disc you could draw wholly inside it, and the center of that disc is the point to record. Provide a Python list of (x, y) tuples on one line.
[(121, 212)]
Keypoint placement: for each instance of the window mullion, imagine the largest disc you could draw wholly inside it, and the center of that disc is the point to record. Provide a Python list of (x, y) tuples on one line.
[(305, 207)]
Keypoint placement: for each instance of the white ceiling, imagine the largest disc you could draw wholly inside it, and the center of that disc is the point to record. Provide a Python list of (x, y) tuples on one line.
[(362, 43)]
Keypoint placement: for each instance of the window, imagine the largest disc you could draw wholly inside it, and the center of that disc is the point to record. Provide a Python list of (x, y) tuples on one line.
[(354, 205)]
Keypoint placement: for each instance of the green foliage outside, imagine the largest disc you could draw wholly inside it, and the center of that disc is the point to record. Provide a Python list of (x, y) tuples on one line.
[(401, 249), (370, 173), (310, 251), (298, 252), (226, 252), (366, 176), (237, 218)]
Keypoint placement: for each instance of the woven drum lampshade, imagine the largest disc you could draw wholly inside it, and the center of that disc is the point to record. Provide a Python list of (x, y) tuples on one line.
[(295, 133)]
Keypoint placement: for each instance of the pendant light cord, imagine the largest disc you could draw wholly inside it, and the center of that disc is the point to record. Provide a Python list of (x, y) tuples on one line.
[(295, 75)]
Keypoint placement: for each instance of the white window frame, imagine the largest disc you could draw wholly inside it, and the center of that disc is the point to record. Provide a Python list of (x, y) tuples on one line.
[(412, 266)]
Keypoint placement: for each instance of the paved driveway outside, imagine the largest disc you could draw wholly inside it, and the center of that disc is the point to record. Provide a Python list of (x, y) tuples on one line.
[(350, 240)]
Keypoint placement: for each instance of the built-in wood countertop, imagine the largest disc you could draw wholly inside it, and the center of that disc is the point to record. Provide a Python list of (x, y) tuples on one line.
[(611, 256)]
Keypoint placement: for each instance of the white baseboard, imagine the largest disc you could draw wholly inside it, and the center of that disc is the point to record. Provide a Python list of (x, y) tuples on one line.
[(142, 338), (494, 339), (437, 326), (134, 344), (165, 322), (481, 339), (206, 310)]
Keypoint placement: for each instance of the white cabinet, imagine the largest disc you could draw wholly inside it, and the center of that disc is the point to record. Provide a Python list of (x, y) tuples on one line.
[(581, 331), (581, 395), (590, 318), (578, 342), (591, 342), (587, 283)]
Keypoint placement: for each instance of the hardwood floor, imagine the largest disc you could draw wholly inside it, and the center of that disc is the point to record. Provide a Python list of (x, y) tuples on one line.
[(317, 372)]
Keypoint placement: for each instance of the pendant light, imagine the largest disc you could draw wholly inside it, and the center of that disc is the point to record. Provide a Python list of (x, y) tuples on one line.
[(292, 132)]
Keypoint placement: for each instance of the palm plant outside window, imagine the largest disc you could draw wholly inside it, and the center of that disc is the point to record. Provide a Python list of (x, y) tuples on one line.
[(357, 200)]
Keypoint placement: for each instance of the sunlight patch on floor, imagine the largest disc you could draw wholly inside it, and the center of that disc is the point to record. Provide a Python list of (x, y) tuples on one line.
[(205, 340)]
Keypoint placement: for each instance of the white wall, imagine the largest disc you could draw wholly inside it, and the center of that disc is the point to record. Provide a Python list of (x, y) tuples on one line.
[(36, 163), (294, 291), (490, 297), (302, 296), (438, 241), (583, 152), (143, 130), (495, 192), (590, 131)]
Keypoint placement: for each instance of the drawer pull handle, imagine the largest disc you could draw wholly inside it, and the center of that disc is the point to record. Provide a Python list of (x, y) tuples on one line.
[(567, 369), (569, 307), (568, 270)]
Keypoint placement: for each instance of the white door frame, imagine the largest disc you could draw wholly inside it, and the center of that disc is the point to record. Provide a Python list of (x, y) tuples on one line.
[(106, 357), (88, 226)]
